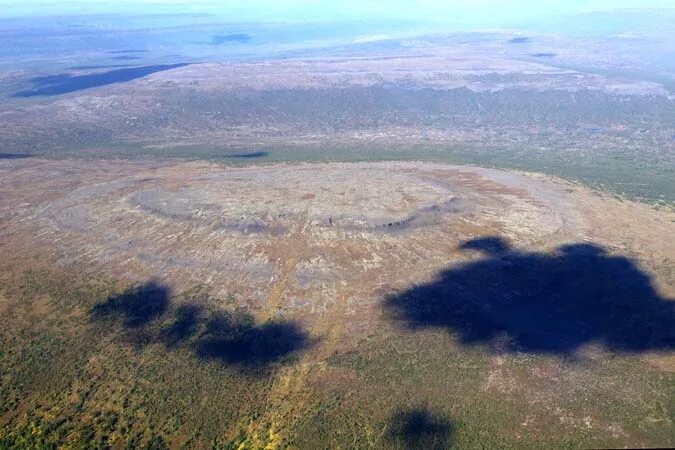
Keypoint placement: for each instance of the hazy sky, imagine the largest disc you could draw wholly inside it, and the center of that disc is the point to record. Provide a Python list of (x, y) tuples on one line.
[(474, 12)]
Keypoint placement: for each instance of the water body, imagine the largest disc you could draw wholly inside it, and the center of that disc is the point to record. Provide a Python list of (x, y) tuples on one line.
[(127, 57), (114, 52), (236, 38), (252, 155), (15, 155), (110, 66)]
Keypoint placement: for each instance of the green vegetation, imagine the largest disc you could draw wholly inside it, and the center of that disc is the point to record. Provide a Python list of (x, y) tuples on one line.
[(129, 378), (623, 144), (628, 173), (69, 380)]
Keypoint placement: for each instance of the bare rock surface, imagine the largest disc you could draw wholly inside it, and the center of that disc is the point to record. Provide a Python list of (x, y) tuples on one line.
[(323, 240)]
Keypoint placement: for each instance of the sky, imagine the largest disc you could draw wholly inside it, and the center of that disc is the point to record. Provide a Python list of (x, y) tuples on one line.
[(469, 12)]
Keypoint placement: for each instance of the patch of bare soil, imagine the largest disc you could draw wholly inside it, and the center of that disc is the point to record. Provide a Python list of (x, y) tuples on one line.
[(322, 242)]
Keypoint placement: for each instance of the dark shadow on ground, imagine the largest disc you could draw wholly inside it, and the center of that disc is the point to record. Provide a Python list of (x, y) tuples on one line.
[(549, 303), (145, 316), (136, 306), (67, 83), (235, 339), (252, 155), (183, 325), (489, 245), (15, 155), (418, 428)]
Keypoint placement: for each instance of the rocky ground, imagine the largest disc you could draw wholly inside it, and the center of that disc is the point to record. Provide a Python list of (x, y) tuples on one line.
[(320, 241), (404, 284)]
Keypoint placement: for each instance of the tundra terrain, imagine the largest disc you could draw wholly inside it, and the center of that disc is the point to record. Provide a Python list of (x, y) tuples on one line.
[(336, 235), (330, 305)]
